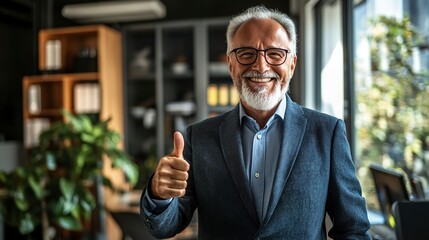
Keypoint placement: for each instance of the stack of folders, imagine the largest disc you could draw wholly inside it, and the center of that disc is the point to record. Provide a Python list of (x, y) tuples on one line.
[(33, 128), (86, 98), (222, 95), (34, 99), (53, 55)]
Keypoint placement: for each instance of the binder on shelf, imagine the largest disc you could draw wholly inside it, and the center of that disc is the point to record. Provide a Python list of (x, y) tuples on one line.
[(77, 101), (53, 55), (86, 98), (34, 99), (95, 93), (57, 55), (49, 53), (212, 95), (223, 94), (33, 128), (234, 97)]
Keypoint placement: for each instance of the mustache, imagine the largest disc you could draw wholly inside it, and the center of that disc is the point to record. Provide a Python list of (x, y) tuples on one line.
[(255, 74)]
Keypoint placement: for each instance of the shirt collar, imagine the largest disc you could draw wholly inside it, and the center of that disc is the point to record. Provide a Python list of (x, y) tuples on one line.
[(280, 111)]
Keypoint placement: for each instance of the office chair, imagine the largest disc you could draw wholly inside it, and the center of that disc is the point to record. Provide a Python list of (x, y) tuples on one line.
[(411, 220), (390, 187), (417, 188), (131, 225)]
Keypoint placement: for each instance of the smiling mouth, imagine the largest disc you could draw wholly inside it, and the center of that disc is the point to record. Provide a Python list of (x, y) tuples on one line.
[(260, 80)]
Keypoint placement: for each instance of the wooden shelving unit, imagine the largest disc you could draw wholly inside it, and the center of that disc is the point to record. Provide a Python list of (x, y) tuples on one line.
[(57, 86), (86, 55), (56, 93)]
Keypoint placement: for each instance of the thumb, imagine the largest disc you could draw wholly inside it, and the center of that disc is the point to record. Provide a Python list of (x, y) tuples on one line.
[(179, 144)]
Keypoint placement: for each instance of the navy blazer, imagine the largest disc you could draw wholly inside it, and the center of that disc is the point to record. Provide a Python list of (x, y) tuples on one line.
[(315, 175)]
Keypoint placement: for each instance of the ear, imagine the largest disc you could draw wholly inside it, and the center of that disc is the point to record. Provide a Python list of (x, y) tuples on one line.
[(228, 59), (292, 66)]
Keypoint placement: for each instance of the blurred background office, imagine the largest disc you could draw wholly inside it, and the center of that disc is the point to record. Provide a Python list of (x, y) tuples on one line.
[(364, 61)]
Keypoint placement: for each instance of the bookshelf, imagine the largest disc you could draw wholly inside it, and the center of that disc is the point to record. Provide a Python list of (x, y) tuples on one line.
[(81, 72), (45, 96), (84, 75)]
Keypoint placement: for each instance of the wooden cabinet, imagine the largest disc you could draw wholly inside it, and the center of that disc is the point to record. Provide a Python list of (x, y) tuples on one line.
[(168, 69), (82, 73)]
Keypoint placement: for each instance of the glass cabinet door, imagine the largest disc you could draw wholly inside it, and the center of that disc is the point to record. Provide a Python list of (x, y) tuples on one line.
[(140, 99), (221, 93), (178, 80)]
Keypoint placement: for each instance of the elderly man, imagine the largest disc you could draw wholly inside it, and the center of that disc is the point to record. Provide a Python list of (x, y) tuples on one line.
[(269, 168)]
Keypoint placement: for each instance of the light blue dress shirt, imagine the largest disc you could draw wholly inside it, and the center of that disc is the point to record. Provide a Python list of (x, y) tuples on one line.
[(261, 148)]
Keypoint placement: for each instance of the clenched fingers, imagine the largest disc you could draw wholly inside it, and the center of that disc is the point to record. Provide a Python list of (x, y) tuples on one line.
[(170, 178)]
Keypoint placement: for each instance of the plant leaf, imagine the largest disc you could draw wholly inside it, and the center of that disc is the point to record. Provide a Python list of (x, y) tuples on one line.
[(67, 188), (51, 162), (86, 123), (129, 168), (86, 137), (70, 223), (27, 224), (20, 200), (36, 187)]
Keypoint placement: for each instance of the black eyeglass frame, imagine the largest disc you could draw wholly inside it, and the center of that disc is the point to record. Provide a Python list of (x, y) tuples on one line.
[(257, 55)]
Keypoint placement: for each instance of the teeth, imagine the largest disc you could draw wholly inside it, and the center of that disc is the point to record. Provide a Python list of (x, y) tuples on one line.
[(260, 80)]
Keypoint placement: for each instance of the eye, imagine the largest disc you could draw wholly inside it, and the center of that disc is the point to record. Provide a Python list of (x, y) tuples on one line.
[(246, 53), (276, 53)]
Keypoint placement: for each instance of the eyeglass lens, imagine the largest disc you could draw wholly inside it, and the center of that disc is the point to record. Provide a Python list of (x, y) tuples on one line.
[(273, 56)]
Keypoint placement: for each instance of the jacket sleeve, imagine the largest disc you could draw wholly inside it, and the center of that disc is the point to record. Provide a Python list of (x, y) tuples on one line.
[(177, 215), (346, 206)]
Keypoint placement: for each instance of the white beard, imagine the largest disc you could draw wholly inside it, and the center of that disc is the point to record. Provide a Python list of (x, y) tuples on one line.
[(261, 99)]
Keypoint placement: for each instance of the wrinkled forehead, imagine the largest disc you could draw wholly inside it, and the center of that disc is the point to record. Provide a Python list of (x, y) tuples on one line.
[(260, 31)]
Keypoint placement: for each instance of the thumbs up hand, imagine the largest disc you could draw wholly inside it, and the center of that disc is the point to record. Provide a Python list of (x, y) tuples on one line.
[(171, 174)]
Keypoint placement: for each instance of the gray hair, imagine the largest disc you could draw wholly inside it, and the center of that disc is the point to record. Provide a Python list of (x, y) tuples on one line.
[(261, 12)]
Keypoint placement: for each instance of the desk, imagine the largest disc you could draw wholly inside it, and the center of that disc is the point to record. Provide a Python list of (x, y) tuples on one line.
[(130, 202), (375, 217), (378, 230)]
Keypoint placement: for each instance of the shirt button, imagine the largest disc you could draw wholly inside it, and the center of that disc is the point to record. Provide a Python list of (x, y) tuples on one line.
[(259, 136), (256, 174)]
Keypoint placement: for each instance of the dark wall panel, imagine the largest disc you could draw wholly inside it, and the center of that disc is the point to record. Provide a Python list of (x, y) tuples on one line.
[(16, 60)]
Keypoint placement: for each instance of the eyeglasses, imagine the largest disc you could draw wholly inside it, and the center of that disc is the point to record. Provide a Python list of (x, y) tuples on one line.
[(248, 55)]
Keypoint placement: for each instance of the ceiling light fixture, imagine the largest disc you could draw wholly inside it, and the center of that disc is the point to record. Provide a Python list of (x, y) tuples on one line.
[(114, 11)]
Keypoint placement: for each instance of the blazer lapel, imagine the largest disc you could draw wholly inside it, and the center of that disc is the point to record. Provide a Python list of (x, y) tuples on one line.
[(293, 133), (230, 139)]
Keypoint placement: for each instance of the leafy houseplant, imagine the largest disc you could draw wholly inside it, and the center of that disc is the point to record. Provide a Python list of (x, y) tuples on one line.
[(56, 185)]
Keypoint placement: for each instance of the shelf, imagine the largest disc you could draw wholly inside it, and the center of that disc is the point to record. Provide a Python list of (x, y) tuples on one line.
[(47, 113), (179, 76), (46, 96), (61, 76), (219, 75), (76, 47), (147, 77)]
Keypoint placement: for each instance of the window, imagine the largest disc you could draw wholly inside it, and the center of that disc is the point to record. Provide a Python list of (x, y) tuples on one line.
[(390, 61), (360, 66), (331, 58)]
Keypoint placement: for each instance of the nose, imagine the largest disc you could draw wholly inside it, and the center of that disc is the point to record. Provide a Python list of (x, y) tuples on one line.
[(260, 64)]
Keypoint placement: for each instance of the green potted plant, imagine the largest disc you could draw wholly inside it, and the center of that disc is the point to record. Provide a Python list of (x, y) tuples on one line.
[(57, 185)]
